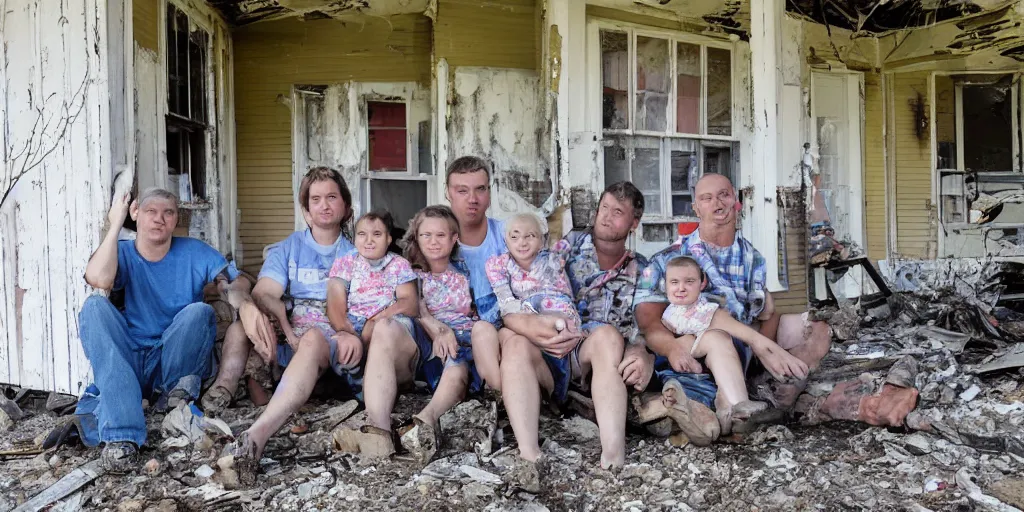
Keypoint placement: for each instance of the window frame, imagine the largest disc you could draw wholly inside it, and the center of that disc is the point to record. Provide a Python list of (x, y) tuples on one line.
[(595, 26), (1015, 128), (210, 125), (412, 162)]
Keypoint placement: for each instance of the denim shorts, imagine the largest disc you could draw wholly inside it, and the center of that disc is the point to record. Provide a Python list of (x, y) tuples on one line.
[(700, 387), (432, 368), (353, 376)]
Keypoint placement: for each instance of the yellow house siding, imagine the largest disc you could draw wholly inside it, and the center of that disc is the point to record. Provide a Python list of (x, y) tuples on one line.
[(271, 57), (496, 34), (144, 23), (915, 232), (875, 220), (794, 300)]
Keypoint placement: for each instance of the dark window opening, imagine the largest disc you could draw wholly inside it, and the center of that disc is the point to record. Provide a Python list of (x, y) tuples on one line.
[(988, 128), (187, 96)]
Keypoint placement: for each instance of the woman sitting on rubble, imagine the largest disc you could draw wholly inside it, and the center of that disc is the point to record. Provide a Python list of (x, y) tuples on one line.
[(297, 270)]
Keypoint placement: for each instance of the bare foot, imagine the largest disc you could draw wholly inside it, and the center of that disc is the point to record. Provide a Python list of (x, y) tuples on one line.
[(247, 456)]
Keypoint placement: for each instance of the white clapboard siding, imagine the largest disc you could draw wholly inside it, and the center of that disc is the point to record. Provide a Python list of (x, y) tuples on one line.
[(55, 68)]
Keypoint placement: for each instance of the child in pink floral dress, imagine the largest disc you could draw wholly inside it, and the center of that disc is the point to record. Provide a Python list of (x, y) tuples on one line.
[(530, 279)]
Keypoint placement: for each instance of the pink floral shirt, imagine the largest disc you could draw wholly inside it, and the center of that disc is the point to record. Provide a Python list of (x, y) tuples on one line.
[(542, 289), (371, 289), (447, 297)]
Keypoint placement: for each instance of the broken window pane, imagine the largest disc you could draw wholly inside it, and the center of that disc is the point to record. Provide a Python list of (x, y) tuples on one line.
[(403, 198), (685, 170), (387, 134), (187, 94), (718, 160), (646, 172), (688, 71), (614, 80), (616, 166), (988, 128), (652, 84), (719, 91)]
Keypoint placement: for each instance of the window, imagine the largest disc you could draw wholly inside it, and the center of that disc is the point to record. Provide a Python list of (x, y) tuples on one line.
[(187, 95), (387, 134), (977, 130), (666, 115), (395, 182)]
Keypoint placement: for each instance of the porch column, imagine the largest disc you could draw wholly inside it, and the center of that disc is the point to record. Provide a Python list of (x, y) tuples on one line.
[(760, 225), (574, 141)]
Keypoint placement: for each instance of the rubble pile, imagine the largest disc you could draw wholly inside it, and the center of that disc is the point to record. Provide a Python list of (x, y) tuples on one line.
[(954, 338)]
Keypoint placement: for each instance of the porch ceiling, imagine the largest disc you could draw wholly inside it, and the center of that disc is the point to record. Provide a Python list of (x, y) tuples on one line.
[(878, 16), (243, 12)]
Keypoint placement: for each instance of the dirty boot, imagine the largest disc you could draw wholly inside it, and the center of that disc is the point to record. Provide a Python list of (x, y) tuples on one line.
[(120, 457)]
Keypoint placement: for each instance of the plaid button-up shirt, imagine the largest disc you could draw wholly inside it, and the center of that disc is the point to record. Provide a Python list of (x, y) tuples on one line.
[(737, 275)]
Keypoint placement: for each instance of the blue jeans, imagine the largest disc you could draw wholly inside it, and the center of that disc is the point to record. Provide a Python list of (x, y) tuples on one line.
[(125, 369), (700, 387)]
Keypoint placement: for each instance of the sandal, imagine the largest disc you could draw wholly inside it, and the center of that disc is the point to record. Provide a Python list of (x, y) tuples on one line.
[(217, 399), (731, 417)]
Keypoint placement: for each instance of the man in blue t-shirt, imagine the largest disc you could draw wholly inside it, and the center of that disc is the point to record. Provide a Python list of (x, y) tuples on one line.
[(480, 237), (162, 341)]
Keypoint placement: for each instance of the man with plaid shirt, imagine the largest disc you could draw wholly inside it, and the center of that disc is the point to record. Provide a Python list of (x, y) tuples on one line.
[(736, 279)]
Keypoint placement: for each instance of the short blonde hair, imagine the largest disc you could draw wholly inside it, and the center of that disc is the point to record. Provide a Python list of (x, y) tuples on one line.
[(157, 193), (526, 218)]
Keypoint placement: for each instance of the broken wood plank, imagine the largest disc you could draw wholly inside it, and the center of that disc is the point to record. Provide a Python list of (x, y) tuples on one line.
[(71, 482)]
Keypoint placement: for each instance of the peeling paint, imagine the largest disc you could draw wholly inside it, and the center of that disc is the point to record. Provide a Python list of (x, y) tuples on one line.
[(496, 114), (555, 56)]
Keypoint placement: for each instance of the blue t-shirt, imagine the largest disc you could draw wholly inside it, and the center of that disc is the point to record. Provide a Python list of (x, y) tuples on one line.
[(156, 291), (301, 265), (476, 260)]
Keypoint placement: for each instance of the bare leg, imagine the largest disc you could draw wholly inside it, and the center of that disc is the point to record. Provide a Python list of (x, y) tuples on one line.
[(808, 341), (524, 373), (306, 366), (601, 352), (487, 354), (450, 391), (389, 363), (722, 321), (720, 356), (232, 358)]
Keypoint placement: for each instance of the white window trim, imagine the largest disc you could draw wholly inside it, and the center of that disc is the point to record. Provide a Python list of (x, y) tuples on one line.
[(1017, 96), (398, 92), (633, 31)]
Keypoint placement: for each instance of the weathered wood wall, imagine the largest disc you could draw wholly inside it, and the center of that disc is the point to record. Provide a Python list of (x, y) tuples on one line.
[(56, 125)]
